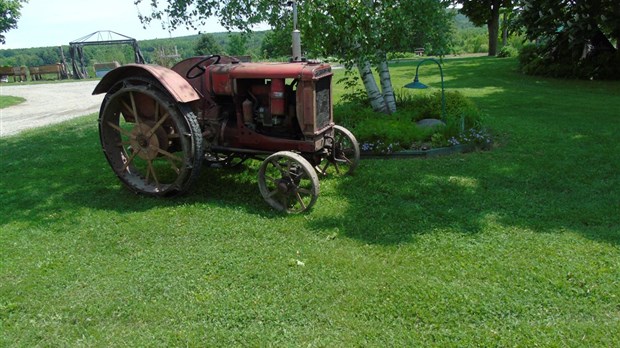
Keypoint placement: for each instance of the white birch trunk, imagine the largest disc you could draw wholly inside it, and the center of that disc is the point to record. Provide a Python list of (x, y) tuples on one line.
[(372, 89), (386, 83)]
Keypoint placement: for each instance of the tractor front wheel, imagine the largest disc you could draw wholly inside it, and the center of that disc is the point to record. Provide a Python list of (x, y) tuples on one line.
[(288, 182), (343, 154)]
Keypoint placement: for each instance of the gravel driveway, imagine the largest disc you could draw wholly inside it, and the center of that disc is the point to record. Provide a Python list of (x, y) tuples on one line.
[(47, 104)]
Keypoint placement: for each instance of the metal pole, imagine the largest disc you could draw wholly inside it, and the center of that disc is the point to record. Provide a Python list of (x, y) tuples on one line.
[(296, 35)]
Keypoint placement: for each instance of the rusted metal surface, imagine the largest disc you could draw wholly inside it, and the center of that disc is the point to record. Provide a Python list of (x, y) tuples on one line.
[(176, 85)]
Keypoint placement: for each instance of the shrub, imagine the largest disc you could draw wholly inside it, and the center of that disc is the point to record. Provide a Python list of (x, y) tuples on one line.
[(559, 62), (507, 51), (383, 133)]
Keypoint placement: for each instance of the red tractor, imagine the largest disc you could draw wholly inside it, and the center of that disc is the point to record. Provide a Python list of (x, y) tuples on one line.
[(158, 126)]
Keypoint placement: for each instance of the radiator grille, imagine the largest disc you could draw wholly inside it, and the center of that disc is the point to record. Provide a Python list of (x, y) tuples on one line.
[(323, 103)]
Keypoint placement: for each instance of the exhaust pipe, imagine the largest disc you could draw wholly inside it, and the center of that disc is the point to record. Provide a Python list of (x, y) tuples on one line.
[(296, 35)]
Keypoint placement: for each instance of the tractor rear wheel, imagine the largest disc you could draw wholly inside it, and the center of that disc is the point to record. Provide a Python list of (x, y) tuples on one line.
[(153, 144)]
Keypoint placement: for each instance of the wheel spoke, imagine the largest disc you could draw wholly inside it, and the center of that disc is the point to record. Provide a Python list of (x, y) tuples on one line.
[(157, 125), (344, 159), (268, 178), (324, 170), (337, 167), (301, 201), (133, 108), (133, 155), (150, 167), (126, 107), (169, 155), (118, 128), (148, 174), (173, 166), (304, 191), (277, 165)]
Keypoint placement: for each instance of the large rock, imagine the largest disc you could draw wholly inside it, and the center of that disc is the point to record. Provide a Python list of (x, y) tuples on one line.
[(430, 123)]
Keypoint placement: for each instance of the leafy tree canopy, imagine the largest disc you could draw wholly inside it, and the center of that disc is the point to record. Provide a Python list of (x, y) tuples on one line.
[(574, 38), (237, 45), (348, 29), (9, 14), (580, 20)]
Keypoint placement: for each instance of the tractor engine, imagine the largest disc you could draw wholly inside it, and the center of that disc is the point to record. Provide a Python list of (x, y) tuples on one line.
[(255, 104), (265, 106)]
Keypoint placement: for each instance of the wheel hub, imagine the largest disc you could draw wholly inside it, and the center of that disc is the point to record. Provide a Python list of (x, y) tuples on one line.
[(147, 145), (283, 186)]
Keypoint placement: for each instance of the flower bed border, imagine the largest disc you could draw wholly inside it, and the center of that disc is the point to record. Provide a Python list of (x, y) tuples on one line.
[(440, 151)]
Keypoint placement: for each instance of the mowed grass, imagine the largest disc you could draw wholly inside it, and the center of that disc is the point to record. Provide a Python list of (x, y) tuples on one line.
[(518, 246)]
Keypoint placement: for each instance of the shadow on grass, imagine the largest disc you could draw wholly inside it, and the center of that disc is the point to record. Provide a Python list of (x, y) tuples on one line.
[(556, 168), (53, 171)]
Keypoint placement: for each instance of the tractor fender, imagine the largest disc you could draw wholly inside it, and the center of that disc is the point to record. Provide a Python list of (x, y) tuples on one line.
[(174, 83)]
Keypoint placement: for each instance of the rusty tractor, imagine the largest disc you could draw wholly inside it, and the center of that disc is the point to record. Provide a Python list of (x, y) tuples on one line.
[(158, 126)]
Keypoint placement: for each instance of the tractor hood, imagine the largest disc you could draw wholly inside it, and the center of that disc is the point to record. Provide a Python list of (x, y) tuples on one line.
[(298, 70)]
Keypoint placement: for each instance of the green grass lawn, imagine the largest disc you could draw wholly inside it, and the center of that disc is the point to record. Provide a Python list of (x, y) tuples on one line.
[(7, 100), (518, 246)]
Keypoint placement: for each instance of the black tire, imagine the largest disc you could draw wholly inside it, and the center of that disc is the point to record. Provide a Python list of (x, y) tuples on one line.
[(153, 144)]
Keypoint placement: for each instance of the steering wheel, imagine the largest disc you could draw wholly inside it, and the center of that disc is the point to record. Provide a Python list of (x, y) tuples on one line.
[(201, 69)]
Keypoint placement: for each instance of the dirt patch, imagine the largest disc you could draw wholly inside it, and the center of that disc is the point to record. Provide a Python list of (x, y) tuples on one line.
[(47, 104)]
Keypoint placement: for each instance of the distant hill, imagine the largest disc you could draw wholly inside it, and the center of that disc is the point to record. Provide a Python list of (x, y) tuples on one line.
[(151, 49)]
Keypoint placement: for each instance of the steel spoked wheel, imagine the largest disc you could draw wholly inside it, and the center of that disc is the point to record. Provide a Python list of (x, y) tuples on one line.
[(343, 155), (288, 182), (153, 145)]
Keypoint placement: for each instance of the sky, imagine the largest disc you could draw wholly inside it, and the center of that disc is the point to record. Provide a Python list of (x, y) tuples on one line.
[(57, 22)]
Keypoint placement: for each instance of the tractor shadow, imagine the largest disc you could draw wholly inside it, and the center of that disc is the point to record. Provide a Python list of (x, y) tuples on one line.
[(52, 173)]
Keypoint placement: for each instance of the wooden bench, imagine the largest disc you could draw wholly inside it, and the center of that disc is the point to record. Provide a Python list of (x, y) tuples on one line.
[(419, 51), (36, 72), (16, 72)]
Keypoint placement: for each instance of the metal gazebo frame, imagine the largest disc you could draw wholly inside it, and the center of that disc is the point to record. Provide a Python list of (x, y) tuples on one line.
[(99, 38)]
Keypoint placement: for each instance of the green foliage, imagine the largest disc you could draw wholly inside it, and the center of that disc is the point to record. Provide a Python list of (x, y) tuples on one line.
[(470, 40), (237, 45), (277, 43), (388, 133), (10, 11), (207, 45), (507, 51), (345, 29), (564, 31), (538, 60)]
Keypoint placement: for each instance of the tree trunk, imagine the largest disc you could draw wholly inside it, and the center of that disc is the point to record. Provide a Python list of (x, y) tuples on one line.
[(386, 83), (372, 89), (493, 26), (505, 30)]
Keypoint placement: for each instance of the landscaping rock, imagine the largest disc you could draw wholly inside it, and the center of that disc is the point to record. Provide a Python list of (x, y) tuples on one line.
[(430, 123)]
